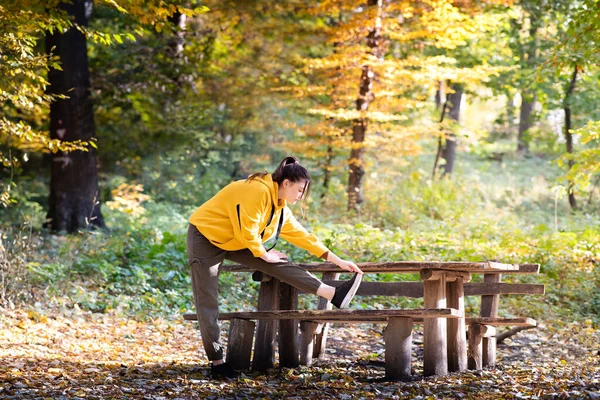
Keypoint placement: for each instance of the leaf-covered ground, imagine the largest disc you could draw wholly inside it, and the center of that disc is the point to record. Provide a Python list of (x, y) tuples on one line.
[(98, 356)]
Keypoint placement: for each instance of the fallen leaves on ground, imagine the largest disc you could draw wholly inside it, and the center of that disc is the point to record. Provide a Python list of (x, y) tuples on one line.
[(98, 356)]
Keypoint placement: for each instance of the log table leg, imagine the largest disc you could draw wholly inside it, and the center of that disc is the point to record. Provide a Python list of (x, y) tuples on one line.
[(489, 308), (477, 333), (435, 360), (489, 352), (239, 345), (288, 329), (320, 342), (264, 344), (457, 335), (307, 340), (398, 345)]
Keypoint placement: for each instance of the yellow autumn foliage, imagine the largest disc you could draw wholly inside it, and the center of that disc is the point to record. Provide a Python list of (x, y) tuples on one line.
[(128, 198)]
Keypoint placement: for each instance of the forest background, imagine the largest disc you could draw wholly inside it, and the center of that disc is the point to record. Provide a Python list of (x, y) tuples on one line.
[(433, 130)]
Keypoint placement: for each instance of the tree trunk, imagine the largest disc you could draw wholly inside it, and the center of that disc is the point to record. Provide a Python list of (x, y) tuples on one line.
[(327, 170), (174, 50), (439, 94), (525, 120), (438, 102), (510, 113), (177, 41), (568, 135), (359, 129), (529, 56), (73, 202), (449, 150)]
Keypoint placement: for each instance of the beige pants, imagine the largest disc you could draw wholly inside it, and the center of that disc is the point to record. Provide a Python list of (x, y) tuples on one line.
[(205, 258)]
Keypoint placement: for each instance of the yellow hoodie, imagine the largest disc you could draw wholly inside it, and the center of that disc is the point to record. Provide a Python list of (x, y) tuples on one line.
[(236, 216)]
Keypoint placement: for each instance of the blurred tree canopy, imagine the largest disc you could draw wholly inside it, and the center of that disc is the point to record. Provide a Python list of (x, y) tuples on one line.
[(228, 86)]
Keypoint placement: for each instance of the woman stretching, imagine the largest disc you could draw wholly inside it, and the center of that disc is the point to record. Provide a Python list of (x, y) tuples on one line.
[(233, 225)]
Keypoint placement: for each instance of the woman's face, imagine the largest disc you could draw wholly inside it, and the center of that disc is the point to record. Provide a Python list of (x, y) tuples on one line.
[(291, 191)]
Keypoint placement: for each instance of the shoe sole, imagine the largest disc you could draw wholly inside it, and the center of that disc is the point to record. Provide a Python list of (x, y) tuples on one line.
[(351, 292)]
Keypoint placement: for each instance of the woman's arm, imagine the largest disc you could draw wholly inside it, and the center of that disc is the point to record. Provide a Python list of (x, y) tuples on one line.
[(343, 264), (294, 232)]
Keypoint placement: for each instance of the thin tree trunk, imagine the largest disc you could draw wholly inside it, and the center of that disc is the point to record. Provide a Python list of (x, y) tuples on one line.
[(438, 99), (359, 129), (448, 152), (176, 43), (73, 202), (510, 113), (174, 51), (568, 135), (327, 170), (525, 120), (439, 94), (594, 186), (529, 56)]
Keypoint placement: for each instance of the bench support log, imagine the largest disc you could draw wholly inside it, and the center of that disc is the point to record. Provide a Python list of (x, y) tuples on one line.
[(307, 341), (475, 347), (320, 342), (398, 345), (239, 345), (434, 329), (264, 345), (457, 335), (489, 308), (477, 333), (288, 329)]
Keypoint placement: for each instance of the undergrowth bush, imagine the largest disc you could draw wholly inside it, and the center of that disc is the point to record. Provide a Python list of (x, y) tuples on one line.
[(505, 211), (17, 247)]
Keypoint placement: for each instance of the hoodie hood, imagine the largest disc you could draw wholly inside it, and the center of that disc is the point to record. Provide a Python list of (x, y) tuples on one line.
[(267, 180)]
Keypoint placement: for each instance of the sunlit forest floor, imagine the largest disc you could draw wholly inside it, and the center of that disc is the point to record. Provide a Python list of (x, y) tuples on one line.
[(75, 354)]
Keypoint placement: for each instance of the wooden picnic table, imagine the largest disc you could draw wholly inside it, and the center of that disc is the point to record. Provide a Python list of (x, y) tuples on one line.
[(442, 287)]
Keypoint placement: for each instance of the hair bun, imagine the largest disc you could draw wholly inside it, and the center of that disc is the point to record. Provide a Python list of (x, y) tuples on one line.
[(290, 160)]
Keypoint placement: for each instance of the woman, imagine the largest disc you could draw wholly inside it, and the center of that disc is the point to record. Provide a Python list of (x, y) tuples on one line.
[(233, 225)]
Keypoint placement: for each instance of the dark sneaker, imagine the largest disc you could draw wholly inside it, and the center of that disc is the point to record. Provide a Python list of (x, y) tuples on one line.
[(346, 291), (223, 371)]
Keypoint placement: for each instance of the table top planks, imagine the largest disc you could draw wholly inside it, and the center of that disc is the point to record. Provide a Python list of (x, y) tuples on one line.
[(413, 267)]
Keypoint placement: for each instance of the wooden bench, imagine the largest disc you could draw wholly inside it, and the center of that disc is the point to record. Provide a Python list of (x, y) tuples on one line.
[(440, 280), (397, 335)]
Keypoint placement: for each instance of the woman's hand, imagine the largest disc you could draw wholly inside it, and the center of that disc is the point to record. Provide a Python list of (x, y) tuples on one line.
[(274, 256), (279, 254), (349, 266), (343, 264)]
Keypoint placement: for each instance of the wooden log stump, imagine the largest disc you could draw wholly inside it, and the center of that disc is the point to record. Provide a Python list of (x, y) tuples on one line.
[(320, 342), (259, 276), (307, 340), (239, 345), (398, 345), (475, 349), (288, 329), (264, 344), (435, 360), (456, 329), (489, 308)]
